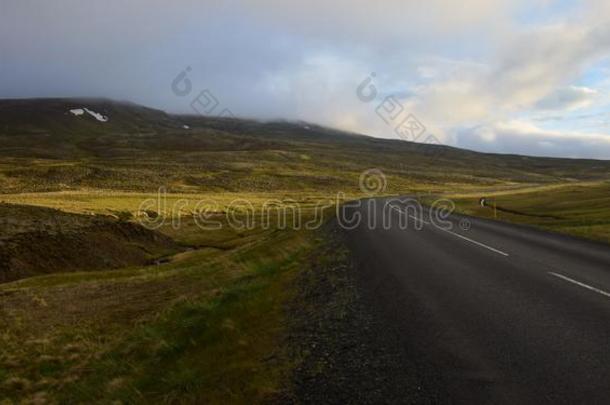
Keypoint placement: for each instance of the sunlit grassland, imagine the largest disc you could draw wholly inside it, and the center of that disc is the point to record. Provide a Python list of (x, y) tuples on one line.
[(576, 208), (100, 201), (579, 209), (108, 201)]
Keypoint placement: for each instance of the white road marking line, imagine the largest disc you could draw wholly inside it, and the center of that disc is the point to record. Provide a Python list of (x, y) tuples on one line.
[(463, 237), (476, 243), (578, 283), (420, 219), (411, 216)]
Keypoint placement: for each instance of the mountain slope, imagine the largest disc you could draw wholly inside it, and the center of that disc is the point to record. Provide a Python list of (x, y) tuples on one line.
[(44, 147)]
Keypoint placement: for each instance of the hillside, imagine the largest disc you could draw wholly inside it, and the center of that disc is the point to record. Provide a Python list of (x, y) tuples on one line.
[(37, 241), (45, 147)]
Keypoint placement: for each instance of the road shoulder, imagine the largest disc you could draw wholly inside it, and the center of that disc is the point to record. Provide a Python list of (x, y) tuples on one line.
[(346, 353)]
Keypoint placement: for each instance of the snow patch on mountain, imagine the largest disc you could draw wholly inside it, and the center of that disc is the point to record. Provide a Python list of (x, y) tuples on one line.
[(97, 116)]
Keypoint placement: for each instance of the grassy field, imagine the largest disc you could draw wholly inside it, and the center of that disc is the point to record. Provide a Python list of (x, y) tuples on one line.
[(205, 327), (207, 322), (581, 209)]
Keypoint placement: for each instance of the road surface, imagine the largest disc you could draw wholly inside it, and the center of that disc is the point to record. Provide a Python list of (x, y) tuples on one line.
[(490, 312)]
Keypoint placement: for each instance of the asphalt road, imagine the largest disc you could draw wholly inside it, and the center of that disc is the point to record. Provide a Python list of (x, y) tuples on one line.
[(489, 312)]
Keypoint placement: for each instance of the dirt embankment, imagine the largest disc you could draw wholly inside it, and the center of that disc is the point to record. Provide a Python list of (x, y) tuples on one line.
[(35, 241)]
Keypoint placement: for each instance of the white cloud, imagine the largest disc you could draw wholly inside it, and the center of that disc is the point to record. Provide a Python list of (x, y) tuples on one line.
[(522, 137), (569, 99), (530, 72)]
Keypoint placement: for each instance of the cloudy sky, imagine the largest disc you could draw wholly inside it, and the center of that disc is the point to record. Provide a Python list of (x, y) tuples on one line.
[(510, 76)]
